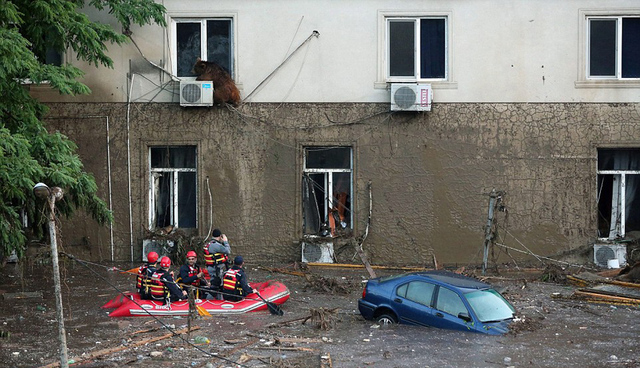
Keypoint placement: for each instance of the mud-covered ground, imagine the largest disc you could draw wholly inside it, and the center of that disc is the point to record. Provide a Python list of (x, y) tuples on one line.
[(555, 332)]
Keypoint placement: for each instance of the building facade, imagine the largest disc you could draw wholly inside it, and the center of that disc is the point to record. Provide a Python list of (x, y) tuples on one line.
[(535, 99)]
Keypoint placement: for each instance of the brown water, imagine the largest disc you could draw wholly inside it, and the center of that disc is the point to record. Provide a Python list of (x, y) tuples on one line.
[(562, 333)]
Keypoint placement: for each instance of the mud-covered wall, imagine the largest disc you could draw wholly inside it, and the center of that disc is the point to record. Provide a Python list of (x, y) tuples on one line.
[(430, 173)]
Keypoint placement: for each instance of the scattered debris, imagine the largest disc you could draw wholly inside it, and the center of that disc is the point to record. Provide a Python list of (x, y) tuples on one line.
[(554, 273), (523, 323), (108, 351), (630, 273), (324, 319), (22, 295), (329, 285)]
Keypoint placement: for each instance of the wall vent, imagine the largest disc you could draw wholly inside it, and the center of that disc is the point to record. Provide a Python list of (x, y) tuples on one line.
[(196, 93), (411, 97)]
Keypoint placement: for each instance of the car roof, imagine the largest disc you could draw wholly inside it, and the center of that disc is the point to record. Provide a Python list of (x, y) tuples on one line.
[(453, 279)]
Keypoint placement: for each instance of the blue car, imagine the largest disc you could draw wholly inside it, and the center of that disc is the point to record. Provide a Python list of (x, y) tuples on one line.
[(436, 298)]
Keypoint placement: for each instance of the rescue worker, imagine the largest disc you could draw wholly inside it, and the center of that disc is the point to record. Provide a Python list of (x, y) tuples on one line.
[(163, 286), (145, 271), (191, 273), (216, 257), (235, 285)]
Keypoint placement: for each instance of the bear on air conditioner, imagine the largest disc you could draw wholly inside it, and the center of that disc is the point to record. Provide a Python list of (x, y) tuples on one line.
[(225, 90)]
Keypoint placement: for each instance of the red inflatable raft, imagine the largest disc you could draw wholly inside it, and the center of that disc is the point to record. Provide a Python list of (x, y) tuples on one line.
[(130, 305)]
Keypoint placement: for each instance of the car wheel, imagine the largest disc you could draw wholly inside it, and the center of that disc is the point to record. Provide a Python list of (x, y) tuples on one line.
[(386, 319)]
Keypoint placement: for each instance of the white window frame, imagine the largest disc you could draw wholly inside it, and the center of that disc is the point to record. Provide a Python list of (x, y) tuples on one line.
[(175, 189), (179, 17), (383, 79), (618, 72), (328, 184), (584, 79)]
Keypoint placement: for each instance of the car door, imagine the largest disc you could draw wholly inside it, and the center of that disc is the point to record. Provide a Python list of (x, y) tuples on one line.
[(413, 301), (447, 307)]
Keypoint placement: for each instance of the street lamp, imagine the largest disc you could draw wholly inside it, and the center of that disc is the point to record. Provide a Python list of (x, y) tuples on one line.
[(51, 195)]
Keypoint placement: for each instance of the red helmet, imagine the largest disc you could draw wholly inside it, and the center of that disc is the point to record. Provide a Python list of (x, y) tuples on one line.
[(152, 257), (165, 262), (191, 254)]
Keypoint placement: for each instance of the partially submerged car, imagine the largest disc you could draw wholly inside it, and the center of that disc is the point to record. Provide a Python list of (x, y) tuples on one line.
[(436, 298)]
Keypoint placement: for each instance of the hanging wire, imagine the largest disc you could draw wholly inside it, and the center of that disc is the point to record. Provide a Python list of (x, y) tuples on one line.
[(172, 330)]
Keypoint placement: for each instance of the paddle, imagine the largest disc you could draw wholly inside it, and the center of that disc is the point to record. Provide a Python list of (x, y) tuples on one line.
[(273, 308)]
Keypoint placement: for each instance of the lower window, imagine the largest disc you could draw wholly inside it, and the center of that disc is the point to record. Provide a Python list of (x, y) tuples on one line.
[(172, 193), (618, 192), (327, 184)]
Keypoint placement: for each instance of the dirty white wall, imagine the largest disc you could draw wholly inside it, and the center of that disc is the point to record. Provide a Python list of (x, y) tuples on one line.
[(499, 51)]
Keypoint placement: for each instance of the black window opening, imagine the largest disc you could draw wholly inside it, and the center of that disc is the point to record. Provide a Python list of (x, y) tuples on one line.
[(327, 191), (618, 195), (216, 46), (614, 47), (173, 189), (430, 56)]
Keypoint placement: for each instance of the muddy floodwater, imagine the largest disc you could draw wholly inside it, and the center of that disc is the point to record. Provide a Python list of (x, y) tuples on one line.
[(556, 332)]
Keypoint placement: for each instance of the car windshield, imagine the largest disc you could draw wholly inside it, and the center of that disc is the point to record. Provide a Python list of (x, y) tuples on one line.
[(489, 305)]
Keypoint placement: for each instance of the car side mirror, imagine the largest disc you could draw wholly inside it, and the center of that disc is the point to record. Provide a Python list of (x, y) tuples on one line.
[(464, 316)]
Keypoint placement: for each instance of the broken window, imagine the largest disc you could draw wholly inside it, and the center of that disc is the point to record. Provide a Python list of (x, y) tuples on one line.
[(614, 47), (327, 184), (618, 192), (208, 39), (172, 194)]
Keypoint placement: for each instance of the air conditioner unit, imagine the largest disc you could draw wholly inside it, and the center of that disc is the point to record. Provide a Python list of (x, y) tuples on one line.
[(602, 253), (317, 252), (196, 93), (161, 246), (411, 97)]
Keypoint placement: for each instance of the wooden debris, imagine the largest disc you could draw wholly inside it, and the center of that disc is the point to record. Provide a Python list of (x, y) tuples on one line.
[(22, 295), (285, 348), (132, 345), (329, 285), (324, 319), (325, 361)]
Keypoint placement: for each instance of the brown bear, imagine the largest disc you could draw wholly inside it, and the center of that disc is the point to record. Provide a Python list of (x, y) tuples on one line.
[(225, 90)]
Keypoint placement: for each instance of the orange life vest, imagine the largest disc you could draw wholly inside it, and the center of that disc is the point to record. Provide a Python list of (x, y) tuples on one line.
[(214, 259), (231, 283), (142, 273), (158, 290)]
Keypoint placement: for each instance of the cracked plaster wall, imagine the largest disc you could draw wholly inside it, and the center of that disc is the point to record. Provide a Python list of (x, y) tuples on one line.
[(430, 172)]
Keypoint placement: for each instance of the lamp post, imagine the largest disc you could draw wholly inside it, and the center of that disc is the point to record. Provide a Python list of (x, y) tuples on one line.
[(51, 195)]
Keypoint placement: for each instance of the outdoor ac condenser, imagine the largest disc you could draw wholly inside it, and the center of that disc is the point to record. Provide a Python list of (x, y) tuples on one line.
[(196, 93), (602, 253), (161, 246), (411, 97), (317, 252)]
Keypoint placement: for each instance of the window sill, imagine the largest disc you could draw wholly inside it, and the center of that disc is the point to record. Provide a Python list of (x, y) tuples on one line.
[(608, 83), (434, 84)]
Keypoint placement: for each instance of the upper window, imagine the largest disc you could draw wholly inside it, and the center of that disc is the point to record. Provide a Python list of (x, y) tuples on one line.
[(618, 192), (209, 39), (614, 47), (327, 184), (416, 48), (172, 193)]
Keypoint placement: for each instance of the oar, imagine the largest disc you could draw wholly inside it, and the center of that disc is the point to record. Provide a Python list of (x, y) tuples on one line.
[(273, 308)]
